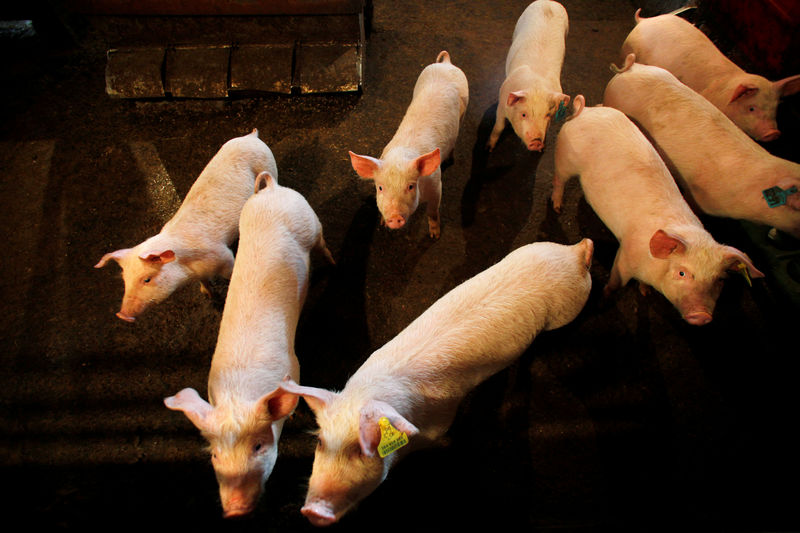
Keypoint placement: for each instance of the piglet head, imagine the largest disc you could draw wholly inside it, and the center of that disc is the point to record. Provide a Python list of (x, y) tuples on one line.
[(347, 467), (243, 439), (530, 114), (753, 106), (396, 182), (695, 273), (150, 273)]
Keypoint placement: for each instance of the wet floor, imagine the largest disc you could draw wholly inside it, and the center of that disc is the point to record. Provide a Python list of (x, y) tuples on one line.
[(628, 418)]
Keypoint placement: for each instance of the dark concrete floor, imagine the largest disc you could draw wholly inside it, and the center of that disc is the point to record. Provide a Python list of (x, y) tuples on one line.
[(626, 419)]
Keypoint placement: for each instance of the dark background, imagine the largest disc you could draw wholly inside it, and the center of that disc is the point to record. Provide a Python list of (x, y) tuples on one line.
[(626, 419)]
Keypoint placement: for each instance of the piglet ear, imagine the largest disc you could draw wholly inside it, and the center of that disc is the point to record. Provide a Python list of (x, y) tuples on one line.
[(369, 431), (364, 165), (277, 404), (116, 255), (164, 257), (315, 398), (515, 97), (787, 86), (743, 90), (662, 244), (193, 406), (737, 261), (428, 163)]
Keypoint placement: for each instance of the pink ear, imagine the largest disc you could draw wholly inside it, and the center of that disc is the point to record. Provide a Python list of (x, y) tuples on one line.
[(734, 257), (787, 86), (515, 97), (193, 406), (167, 256), (369, 432), (428, 163), (364, 165), (743, 90), (315, 398), (277, 404), (662, 244), (115, 255)]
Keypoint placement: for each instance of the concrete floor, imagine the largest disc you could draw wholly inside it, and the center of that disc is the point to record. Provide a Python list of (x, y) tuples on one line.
[(628, 418)]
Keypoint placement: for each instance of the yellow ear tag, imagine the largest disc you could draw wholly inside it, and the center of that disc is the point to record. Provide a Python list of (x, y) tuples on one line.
[(391, 438), (743, 269)]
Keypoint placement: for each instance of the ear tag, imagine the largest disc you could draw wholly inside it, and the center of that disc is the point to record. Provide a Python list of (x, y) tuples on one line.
[(391, 438), (775, 196), (743, 270), (561, 112)]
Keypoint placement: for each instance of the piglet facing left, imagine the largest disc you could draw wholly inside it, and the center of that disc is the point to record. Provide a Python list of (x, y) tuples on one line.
[(194, 244), (255, 347), (417, 380), (409, 169)]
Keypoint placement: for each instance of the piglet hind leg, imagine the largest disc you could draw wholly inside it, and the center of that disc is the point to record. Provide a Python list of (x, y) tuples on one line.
[(322, 246)]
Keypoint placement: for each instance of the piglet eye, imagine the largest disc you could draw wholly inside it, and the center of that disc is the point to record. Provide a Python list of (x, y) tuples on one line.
[(146, 280), (257, 447), (524, 115), (682, 273), (752, 109), (411, 187), (380, 187)]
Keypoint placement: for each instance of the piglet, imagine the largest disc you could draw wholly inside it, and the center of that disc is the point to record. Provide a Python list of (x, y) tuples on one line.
[(662, 243), (194, 243), (672, 43), (409, 169), (724, 172), (417, 380), (255, 348), (531, 94)]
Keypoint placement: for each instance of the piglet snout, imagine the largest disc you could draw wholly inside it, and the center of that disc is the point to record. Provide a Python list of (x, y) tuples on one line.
[(698, 318), (318, 514), (771, 135), (536, 145), (126, 317), (396, 221)]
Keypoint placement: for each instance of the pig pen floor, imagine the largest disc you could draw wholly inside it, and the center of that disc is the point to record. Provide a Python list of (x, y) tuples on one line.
[(626, 419)]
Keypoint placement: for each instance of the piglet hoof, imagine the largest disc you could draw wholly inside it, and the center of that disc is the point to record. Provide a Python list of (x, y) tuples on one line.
[(607, 290), (644, 288), (328, 256), (434, 229), (206, 289), (557, 207)]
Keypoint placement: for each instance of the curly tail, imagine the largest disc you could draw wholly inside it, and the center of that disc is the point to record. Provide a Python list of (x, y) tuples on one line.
[(630, 59), (443, 57), (264, 180), (691, 4)]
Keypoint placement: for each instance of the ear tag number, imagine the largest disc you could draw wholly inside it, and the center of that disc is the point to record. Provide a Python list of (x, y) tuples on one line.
[(775, 196), (743, 270), (391, 438)]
